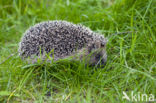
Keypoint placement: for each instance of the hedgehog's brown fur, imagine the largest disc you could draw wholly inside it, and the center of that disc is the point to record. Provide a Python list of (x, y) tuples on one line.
[(65, 38)]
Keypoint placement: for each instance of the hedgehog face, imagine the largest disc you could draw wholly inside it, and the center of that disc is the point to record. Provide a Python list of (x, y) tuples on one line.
[(97, 54)]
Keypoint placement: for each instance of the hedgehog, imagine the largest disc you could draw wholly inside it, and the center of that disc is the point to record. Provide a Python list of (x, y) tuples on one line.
[(62, 39)]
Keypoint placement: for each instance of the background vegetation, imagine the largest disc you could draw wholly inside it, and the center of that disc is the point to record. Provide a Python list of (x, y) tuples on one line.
[(131, 62)]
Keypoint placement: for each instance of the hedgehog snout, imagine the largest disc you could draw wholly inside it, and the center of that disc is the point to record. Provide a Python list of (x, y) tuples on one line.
[(101, 58)]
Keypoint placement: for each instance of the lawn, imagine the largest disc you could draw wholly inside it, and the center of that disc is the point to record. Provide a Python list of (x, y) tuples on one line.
[(129, 25)]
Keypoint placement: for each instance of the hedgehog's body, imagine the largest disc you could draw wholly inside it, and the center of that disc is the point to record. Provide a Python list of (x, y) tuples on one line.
[(63, 37)]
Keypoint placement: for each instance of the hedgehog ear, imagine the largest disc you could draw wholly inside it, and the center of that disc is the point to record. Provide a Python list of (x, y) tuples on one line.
[(94, 46), (97, 45), (103, 43), (90, 47)]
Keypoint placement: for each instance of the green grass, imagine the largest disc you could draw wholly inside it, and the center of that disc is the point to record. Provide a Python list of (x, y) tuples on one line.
[(131, 64)]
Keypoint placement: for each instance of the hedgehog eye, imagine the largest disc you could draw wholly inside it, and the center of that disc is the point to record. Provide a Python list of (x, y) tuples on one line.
[(103, 44)]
